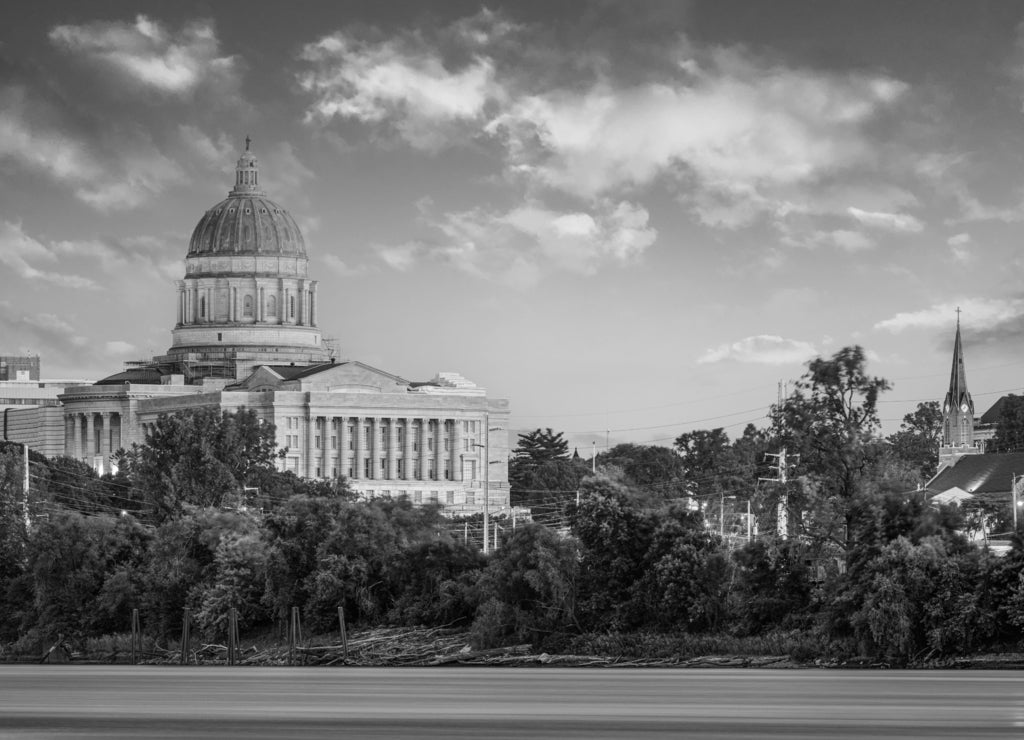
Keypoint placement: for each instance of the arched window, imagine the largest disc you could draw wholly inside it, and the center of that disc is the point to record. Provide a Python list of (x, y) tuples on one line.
[(272, 306), (247, 306), (293, 307), (202, 307)]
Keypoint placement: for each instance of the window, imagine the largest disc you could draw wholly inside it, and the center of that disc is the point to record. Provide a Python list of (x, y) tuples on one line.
[(247, 306), (316, 441), (415, 446), (401, 435), (202, 307), (272, 306), (220, 337), (383, 466), (432, 472), (450, 497), (433, 497), (317, 471), (400, 468), (383, 435), (417, 497), (292, 312), (465, 426), (430, 445), (367, 469), (447, 470), (470, 498), (351, 470), (334, 442), (446, 444), (351, 443)]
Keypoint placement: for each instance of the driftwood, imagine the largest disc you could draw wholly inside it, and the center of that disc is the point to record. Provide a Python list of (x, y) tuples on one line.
[(422, 646)]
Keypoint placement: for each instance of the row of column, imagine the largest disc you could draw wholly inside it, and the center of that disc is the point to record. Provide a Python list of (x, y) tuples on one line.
[(392, 457), (91, 433), (196, 304)]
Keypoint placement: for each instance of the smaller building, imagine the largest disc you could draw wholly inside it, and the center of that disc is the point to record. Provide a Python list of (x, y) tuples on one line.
[(984, 486), (13, 367)]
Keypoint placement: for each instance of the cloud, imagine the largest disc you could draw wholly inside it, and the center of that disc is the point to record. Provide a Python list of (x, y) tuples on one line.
[(149, 56), (42, 333), (897, 222), (18, 252), (159, 256), (119, 347), (763, 349), (401, 81), (977, 312), (960, 245), (340, 267), (518, 247), (126, 177), (845, 239), (736, 136)]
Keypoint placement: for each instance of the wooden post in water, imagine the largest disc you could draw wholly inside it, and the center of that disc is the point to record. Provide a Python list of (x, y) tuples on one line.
[(344, 632), (186, 637), (232, 634), (136, 637), (292, 635)]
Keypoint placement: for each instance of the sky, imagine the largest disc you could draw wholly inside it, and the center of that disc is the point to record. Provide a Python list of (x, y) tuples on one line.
[(630, 219)]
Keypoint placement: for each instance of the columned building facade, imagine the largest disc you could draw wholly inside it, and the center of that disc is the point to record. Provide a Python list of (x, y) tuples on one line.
[(246, 335)]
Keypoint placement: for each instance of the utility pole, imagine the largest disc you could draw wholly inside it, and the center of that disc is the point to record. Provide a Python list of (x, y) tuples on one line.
[(1016, 500), (781, 467), (25, 484), (487, 476)]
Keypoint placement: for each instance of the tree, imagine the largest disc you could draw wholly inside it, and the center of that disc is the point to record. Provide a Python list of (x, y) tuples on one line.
[(542, 475), (199, 456), (917, 441), (831, 421), (650, 466), (528, 590), (540, 446), (1009, 434)]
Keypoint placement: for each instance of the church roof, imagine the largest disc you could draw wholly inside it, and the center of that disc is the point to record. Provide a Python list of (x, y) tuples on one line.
[(247, 222), (979, 474), (994, 413)]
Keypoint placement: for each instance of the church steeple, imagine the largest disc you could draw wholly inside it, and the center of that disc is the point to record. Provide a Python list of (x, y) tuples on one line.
[(958, 408)]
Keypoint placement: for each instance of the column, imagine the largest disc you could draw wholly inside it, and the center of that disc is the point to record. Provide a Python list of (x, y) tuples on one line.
[(312, 309), (457, 443), (105, 440), (407, 452), (392, 448), (424, 468), (439, 450), (76, 436), (310, 447), (261, 309), (342, 444), (90, 436), (360, 451), (374, 447)]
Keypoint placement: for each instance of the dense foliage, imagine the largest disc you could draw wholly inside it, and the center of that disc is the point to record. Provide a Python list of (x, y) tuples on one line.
[(636, 556)]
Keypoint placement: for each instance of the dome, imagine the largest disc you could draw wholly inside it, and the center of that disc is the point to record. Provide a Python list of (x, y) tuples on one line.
[(247, 222)]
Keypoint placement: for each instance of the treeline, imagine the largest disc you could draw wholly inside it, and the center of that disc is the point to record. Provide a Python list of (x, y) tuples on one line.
[(628, 560)]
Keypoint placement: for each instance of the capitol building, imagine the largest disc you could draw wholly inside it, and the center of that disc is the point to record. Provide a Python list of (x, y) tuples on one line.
[(247, 335)]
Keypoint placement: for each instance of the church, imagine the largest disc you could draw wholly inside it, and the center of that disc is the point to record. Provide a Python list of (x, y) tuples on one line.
[(247, 335)]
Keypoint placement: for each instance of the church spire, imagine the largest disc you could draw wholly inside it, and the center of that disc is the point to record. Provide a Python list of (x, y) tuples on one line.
[(958, 408)]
